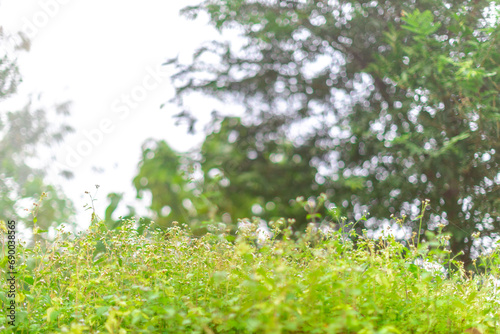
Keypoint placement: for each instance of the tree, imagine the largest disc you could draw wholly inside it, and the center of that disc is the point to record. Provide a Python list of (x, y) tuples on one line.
[(24, 133), (256, 175), (161, 175), (454, 84), (235, 174), (400, 107)]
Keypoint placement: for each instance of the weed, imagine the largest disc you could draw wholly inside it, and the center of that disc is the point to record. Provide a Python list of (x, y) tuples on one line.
[(168, 281)]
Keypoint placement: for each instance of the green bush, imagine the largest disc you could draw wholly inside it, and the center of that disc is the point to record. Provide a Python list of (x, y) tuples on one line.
[(122, 281)]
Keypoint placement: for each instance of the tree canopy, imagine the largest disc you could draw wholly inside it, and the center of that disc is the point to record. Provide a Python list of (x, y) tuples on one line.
[(390, 102)]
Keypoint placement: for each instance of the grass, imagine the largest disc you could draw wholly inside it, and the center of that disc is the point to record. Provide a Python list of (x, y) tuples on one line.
[(122, 281)]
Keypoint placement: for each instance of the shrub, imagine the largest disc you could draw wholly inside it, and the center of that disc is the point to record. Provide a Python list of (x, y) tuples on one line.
[(122, 281)]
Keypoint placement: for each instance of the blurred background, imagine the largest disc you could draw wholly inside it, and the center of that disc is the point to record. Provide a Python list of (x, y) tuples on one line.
[(209, 111)]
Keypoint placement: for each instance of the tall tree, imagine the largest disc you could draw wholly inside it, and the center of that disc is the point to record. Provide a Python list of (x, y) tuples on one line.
[(398, 107)]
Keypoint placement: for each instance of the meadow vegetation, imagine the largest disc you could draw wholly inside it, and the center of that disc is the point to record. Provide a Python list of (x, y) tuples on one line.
[(334, 280)]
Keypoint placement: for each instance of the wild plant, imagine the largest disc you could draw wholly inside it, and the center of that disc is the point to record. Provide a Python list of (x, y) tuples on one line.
[(169, 281)]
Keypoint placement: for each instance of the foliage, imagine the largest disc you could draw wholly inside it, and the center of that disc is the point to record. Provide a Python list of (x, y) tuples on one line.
[(452, 79), (24, 133), (236, 173), (160, 173), (324, 282), (398, 99)]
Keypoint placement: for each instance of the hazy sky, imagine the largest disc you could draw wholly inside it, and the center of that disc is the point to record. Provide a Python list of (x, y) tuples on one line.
[(104, 56)]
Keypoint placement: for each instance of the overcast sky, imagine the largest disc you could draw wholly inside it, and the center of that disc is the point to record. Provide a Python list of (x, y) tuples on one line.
[(104, 56)]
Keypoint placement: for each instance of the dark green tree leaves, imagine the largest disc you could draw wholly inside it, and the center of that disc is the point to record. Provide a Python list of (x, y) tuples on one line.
[(400, 98), (238, 173)]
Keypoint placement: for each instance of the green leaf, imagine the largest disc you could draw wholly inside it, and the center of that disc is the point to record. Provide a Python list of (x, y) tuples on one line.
[(102, 310), (29, 280)]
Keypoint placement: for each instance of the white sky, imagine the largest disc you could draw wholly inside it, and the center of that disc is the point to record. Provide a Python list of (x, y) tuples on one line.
[(92, 52)]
